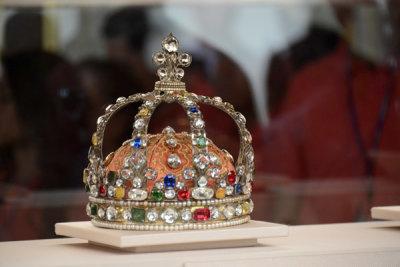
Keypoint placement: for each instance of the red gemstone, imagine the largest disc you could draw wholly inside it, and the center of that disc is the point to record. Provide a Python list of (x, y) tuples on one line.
[(201, 215), (251, 186), (183, 194), (102, 190), (231, 177)]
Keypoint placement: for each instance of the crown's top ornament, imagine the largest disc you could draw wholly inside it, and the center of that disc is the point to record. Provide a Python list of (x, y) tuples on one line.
[(169, 181), (171, 60)]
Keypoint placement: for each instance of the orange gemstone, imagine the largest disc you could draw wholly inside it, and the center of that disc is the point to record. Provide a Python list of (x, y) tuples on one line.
[(220, 192)]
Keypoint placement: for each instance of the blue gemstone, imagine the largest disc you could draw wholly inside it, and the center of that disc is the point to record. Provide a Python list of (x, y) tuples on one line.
[(137, 142), (238, 189), (194, 110), (169, 181)]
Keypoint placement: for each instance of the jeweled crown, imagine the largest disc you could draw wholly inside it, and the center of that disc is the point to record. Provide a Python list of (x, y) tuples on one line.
[(169, 181)]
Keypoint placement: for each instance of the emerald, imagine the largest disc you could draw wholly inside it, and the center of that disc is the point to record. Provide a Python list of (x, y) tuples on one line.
[(111, 177), (93, 210), (201, 141), (138, 215), (156, 195)]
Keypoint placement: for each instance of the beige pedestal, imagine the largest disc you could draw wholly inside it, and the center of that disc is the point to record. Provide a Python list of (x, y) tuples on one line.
[(243, 235), (390, 213)]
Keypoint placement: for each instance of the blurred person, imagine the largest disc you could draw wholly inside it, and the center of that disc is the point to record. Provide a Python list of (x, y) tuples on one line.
[(337, 130)]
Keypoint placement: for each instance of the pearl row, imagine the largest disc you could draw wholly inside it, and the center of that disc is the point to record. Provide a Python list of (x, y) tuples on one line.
[(187, 203), (187, 226)]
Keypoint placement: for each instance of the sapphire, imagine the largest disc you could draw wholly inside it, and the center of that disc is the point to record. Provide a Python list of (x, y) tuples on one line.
[(194, 110), (137, 142), (238, 189), (169, 181)]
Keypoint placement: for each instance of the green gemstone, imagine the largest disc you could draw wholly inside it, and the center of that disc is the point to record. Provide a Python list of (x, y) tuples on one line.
[(111, 177), (87, 188), (93, 210), (156, 195), (138, 215), (201, 141)]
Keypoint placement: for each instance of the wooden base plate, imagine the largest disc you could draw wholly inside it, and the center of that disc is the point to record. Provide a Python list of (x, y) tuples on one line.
[(390, 213), (149, 241)]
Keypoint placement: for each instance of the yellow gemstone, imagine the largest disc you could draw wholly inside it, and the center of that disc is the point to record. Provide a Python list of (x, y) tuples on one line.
[(220, 192), (192, 209), (95, 139), (246, 207), (84, 175), (119, 192), (144, 112)]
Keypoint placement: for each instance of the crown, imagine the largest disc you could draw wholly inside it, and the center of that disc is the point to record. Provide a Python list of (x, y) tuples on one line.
[(169, 181)]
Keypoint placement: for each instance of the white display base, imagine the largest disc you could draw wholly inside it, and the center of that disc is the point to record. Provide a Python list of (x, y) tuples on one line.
[(148, 241), (390, 213)]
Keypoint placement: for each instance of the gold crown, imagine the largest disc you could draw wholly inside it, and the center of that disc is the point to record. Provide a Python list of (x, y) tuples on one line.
[(169, 181)]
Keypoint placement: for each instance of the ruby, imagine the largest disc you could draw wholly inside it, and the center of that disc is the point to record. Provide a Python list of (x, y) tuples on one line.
[(102, 190), (201, 215), (183, 194), (251, 186), (231, 177)]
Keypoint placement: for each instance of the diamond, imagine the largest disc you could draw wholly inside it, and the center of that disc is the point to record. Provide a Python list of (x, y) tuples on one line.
[(189, 173), (137, 142), (231, 177), (158, 58), (137, 182), (119, 192), (179, 73), (214, 213), (108, 108), (150, 174), (246, 189), (251, 203), (215, 172), (238, 189), (152, 216), (186, 215), (169, 194), (102, 190), (214, 159), (238, 210), (119, 182), (183, 194), (100, 120), (201, 160), (138, 215), (201, 215), (180, 185), (159, 185), (249, 177), (220, 193), (169, 215), (184, 59), (127, 214), (94, 191), (126, 173), (174, 161), (169, 181), (222, 183), (111, 213), (139, 124), (93, 210), (93, 178), (229, 190), (121, 99), (194, 110), (240, 169), (201, 141), (88, 209), (172, 142), (137, 194), (202, 193), (156, 195), (202, 181), (111, 191), (148, 104), (168, 130), (228, 212), (250, 155), (198, 123), (137, 159), (170, 44), (189, 103), (101, 213)]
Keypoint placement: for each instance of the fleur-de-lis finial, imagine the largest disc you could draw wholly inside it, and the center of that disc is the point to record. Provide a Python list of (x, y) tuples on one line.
[(171, 60)]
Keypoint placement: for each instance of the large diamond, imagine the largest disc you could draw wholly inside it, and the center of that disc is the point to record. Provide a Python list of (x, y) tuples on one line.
[(238, 210), (229, 211), (201, 160), (189, 173), (172, 142), (174, 161), (111, 213), (198, 123), (186, 215), (202, 181), (169, 215), (137, 182), (152, 215), (126, 173), (127, 215), (214, 213), (170, 194), (94, 191), (170, 44), (215, 172), (137, 159), (214, 159), (202, 193), (139, 124), (137, 194), (150, 174)]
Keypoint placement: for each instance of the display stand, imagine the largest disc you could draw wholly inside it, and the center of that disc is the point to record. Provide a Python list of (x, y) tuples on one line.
[(390, 213), (149, 241)]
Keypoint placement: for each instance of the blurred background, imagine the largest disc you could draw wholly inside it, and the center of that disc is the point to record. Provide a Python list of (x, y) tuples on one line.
[(318, 82)]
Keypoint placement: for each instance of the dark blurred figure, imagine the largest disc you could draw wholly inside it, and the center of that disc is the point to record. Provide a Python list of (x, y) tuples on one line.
[(125, 32), (337, 129)]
